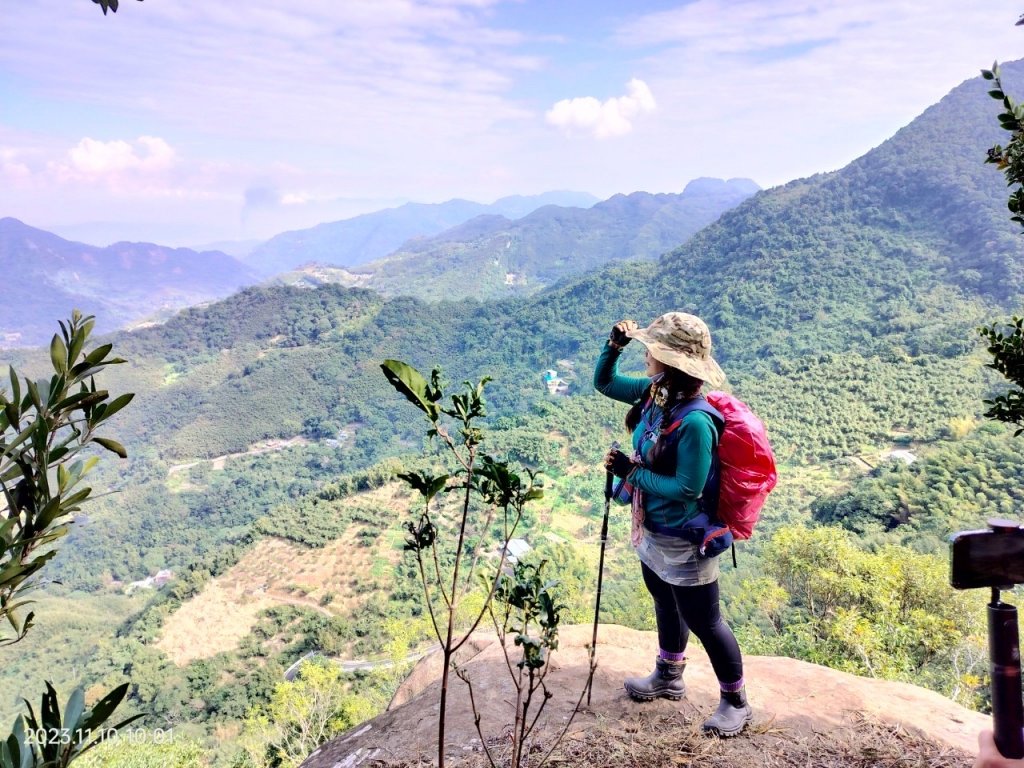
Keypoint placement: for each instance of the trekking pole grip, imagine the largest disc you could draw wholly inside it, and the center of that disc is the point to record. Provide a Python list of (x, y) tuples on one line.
[(609, 478), (1004, 661)]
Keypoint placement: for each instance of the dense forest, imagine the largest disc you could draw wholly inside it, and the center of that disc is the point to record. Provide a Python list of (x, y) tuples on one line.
[(843, 308)]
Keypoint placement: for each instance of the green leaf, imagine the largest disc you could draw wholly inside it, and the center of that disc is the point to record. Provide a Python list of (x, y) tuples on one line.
[(428, 486), (50, 511), (12, 414), (117, 404), (113, 446), (987, 74), (410, 383), (104, 708), (58, 354), (15, 386), (33, 394), (73, 709), (71, 502), (98, 354), (24, 435)]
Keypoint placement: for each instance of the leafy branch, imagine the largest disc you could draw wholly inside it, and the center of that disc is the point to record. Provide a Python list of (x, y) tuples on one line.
[(44, 427), (484, 490), (1007, 348), (530, 612), (1009, 159)]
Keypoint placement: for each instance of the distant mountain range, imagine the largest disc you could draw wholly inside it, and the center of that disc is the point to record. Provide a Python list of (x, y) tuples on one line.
[(451, 250), (374, 235), (46, 276), (490, 256)]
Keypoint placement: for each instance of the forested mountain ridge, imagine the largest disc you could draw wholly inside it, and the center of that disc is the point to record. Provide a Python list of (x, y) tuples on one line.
[(492, 257), (374, 235), (47, 276), (876, 255)]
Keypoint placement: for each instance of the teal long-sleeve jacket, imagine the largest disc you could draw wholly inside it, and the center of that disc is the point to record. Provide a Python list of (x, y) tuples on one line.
[(669, 500)]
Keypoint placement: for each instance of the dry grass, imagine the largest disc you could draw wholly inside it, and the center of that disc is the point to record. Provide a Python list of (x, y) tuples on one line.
[(278, 572), (666, 741), (212, 622)]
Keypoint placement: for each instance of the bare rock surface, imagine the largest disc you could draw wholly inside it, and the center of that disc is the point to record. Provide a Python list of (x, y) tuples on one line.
[(804, 714)]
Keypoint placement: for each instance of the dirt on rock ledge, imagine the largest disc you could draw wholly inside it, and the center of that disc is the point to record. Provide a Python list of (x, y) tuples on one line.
[(804, 715)]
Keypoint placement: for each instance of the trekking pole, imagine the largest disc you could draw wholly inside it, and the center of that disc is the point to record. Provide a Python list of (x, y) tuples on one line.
[(609, 479)]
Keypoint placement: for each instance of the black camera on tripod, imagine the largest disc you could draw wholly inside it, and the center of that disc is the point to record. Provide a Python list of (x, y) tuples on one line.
[(994, 558)]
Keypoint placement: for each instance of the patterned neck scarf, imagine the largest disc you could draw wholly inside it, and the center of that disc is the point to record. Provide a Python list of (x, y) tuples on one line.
[(660, 393)]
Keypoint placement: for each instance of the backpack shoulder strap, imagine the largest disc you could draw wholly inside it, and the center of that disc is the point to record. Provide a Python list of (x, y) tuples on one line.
[(709, 496), (698, 403)]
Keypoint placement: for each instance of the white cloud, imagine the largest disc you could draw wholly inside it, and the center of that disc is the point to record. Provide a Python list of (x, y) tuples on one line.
[(11, 167), (92, 159), (780, 90), (607, 119), (432, 99), (357, 69)]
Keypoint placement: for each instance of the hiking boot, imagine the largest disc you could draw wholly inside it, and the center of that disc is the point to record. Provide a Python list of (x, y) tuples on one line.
[(731, 717), (665, 682)]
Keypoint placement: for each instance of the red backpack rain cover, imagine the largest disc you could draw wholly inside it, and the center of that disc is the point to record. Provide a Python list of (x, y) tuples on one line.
[(747, 472)]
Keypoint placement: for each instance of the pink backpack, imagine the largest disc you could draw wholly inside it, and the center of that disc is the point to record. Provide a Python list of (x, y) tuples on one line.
[(744, 473), (747, 465)]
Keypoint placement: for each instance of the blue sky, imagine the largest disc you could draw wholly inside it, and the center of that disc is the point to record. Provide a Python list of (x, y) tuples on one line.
[(190, 121)]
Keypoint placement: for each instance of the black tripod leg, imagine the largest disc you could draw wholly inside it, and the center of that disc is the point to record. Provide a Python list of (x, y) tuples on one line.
[(1004, 658)]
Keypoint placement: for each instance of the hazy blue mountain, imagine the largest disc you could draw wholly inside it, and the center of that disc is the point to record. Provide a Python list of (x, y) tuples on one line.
[(237, 248), (490, 256), (374, 235), (46, 276)]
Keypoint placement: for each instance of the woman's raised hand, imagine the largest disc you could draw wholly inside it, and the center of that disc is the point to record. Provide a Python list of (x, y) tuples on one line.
[(618, 336)]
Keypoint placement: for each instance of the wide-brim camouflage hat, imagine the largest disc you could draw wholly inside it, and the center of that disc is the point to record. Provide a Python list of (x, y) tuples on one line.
[(682, 341)]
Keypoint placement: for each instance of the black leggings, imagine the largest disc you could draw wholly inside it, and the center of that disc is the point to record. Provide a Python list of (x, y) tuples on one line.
[(681, 609)]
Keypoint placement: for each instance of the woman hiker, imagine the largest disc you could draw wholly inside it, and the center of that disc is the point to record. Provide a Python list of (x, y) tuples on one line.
[(667, 474)]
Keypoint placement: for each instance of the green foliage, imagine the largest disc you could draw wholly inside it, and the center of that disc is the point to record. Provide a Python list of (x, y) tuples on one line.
[(527, 608), (527, 599), (152, 750), (490, 494), (953, 486), (41, 437), (1009, 159), (316, 522), (54, 739), (1007, 350), (889, 613), (44, 426), (301, 716)]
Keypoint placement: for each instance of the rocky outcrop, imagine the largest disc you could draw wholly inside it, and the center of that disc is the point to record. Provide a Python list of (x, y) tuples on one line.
[(798, 706)]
